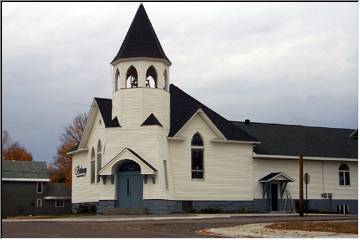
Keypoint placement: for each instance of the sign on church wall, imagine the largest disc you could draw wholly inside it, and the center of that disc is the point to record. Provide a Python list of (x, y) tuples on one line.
[(80, 171)]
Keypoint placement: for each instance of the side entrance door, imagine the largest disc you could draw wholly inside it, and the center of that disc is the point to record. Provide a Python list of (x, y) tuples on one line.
[(274, 197), (130, 189)]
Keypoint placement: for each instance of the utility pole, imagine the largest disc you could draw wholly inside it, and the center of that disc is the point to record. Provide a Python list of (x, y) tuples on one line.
[(301, 185)]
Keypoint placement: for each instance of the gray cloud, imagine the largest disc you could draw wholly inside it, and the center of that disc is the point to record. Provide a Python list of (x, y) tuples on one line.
[(270, 62)]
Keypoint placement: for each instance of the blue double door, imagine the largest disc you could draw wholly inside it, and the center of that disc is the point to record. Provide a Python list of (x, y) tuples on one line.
[(129, 189)]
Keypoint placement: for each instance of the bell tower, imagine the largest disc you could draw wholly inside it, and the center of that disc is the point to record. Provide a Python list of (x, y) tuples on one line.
[(140, 76)]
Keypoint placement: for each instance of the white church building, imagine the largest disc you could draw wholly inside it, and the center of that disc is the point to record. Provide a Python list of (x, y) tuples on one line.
[(155, 148)]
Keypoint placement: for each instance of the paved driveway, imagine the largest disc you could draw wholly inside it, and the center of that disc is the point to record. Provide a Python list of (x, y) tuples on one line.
[(160, 227)]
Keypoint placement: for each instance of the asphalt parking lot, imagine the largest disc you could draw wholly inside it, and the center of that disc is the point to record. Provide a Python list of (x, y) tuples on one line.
[(140, 228)]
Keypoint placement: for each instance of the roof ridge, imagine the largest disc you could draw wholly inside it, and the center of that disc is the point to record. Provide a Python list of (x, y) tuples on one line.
[(103, 98), (295, 125)]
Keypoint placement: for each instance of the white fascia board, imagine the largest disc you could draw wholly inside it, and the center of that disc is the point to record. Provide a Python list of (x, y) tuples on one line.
[(141, 59), (26, 179), (203, 115), (56, 198), (78, 151), (233, 141), (255, 155), (89, 123)]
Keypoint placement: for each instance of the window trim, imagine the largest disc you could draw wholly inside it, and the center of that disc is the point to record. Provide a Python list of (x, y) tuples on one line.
[(92, 168), (98, 161), (197, 147), (59, 206), (37, 187), (344, 173), (37, 203)]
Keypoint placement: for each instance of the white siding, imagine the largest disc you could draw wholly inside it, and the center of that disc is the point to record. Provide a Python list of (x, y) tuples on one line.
[(324, 177), (228, 167)]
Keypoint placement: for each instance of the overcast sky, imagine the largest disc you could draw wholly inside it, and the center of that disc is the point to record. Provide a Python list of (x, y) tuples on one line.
[(292, 63)]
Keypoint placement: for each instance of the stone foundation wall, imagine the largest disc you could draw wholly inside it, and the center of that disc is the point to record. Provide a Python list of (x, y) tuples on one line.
[(84, 207), (159, 206), (102, 205), (321, 205)]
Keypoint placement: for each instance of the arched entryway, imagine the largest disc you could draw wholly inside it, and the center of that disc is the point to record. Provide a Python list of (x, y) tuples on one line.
[(129, 185)]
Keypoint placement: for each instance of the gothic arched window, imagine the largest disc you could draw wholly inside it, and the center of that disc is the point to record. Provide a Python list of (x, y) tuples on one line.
[(131, 78), (98, 160), (166, 81), (151, 77), (344, 175), (92, 166), (197, 157), (117, 80)]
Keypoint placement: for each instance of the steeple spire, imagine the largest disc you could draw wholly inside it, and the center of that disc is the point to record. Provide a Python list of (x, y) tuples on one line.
[(141, 40)]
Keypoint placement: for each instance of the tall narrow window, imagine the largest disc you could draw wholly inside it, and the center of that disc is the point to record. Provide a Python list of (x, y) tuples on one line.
[(117, 80), (39, 187), (98, 160), (166, 176), (151, 78), (92, 166), (166, 81), (344, 175), (197, 157), (131, 78)]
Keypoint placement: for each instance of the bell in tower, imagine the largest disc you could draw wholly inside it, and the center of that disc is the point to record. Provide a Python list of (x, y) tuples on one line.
[(140, 74)]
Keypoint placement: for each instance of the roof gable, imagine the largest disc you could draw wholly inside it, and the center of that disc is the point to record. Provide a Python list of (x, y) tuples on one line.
[(206, 120), (105, 108), (151, 120), (183, 107), (276, 176), (110, 167), (141, 40)]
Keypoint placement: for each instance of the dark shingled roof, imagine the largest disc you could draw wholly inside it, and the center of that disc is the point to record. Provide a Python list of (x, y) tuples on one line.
[(293, 140), (74, 148), (269, 176), (141, 39), (183, 106), (24, 169), (58, 190), (105, 107), (151, 120)]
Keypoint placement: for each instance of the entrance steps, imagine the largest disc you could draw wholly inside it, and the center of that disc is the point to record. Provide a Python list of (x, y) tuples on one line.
[(124, 211)]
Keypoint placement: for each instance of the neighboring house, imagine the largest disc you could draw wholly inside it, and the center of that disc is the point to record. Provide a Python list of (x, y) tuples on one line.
[(26, 190), (154, 147)]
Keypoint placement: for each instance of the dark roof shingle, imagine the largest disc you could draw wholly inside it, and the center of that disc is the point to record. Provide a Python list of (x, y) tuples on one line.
[(105, 107), (151, 120), (293, 140), (24, 169), (141, 39), (183, 106)]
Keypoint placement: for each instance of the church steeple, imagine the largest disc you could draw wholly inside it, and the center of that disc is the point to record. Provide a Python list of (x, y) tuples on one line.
[(141, 40)]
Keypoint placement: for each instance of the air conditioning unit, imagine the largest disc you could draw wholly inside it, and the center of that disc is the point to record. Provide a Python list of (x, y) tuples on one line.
[(324, 195)]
